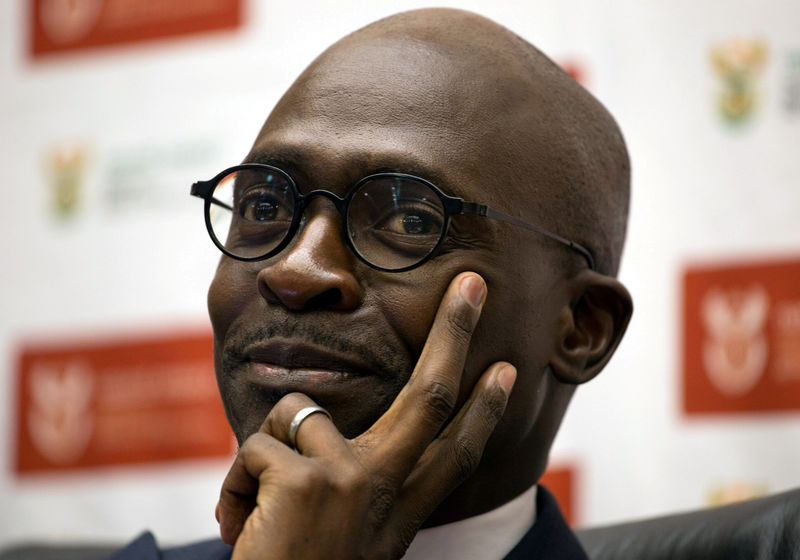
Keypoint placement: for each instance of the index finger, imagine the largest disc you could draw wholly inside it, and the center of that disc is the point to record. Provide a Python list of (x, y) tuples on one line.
[(401, 435)]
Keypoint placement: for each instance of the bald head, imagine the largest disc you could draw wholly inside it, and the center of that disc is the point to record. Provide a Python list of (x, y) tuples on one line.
[(465, 78)]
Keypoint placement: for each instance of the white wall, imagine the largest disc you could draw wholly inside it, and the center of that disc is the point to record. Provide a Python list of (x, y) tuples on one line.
[(183, 109)]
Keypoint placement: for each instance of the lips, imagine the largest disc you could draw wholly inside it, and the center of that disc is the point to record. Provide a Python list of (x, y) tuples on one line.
[(280, 366), (335, 380), (299, 356)]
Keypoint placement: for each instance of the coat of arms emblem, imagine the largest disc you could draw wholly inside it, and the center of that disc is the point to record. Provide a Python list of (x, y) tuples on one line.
[(738, 63), (735, 351)]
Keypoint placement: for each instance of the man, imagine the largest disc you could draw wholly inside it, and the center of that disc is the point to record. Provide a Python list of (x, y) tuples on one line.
[(368, 398)]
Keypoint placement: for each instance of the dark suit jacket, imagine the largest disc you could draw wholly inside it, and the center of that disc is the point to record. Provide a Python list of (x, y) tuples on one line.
[(549, 539)]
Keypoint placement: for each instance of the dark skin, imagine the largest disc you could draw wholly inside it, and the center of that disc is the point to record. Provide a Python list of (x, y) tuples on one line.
[(424, 431)]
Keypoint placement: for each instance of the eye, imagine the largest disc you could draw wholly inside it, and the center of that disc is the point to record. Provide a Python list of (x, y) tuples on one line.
[(411, 221), (260, 204)]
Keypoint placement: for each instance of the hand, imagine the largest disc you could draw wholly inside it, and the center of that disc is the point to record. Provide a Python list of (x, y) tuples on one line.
[(367, 497)]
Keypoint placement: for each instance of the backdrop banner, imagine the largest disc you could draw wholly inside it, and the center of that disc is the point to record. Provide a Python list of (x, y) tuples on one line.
[(133, 400), (742, 337), (62, 26)]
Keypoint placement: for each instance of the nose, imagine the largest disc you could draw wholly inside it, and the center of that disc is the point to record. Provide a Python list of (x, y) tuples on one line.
[(316, 272)]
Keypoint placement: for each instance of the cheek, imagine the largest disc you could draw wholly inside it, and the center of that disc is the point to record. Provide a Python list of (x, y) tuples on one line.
[(410, 310), (411, 302), (519, 322), (230, 292), (521, 326)]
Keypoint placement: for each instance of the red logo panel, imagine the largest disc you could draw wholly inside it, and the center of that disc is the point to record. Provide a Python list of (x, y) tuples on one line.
[(741, 338), (135, 400), (69, 25), (560, 479)]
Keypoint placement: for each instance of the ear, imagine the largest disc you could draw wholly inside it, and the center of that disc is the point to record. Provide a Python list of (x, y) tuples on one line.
[(590, 327)]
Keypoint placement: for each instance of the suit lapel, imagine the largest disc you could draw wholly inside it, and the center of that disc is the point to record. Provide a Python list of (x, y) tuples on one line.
[(550, 537)]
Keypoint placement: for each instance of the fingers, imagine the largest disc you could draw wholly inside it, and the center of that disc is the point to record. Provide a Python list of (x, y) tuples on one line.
[(240, 487), (268, 448), (401, 435), (455, 454), (316, 435)]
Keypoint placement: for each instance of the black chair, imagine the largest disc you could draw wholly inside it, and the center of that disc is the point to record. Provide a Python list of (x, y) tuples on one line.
[(760, 529)]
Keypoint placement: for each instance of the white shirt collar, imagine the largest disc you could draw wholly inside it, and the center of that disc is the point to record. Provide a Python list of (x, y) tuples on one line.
[(489, 536)]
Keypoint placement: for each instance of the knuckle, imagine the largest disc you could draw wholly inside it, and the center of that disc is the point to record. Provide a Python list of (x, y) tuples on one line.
[(381, 502), (283, 411), (292, 402), (251, 447), (493, 405), (357, 477), (305, 476), (461, 322), (394, 545), (351, 480), (440, 399), (466, 456), (406, 535)]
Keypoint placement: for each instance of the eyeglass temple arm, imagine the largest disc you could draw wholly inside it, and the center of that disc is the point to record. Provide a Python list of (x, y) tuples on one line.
[(483, 210), (203, 189)]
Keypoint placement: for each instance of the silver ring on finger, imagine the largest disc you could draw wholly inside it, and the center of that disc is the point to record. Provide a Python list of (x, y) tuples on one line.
[(301, 415)]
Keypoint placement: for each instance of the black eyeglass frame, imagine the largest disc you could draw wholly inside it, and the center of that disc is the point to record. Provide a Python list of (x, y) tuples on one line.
[(452, 206)]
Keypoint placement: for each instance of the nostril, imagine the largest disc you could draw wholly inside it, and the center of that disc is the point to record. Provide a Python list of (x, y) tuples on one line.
[(327, 299)]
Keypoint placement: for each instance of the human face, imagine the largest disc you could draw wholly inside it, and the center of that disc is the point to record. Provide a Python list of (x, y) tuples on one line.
[(314, 319)]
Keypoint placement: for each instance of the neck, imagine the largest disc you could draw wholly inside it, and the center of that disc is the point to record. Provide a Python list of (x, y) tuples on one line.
[(494, 483)]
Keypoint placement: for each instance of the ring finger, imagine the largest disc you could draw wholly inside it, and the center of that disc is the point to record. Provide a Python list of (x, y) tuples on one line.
[(315, 435)]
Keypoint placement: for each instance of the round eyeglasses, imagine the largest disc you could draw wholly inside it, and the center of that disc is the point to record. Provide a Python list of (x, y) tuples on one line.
[(392, 221)]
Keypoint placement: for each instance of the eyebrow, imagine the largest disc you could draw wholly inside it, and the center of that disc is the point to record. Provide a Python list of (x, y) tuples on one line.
[(293, 161), (288, 158)]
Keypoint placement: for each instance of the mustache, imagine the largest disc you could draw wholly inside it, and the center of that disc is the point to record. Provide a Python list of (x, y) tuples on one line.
[(386, 358)]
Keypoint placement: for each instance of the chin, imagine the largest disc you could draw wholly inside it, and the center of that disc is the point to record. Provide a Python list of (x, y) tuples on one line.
[(352, 415)]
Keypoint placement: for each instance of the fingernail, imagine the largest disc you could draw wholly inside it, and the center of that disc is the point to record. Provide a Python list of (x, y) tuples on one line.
[(506, 378), (472, 289)]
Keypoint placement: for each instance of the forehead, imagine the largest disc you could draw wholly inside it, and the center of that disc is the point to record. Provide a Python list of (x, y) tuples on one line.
[(385, 81)]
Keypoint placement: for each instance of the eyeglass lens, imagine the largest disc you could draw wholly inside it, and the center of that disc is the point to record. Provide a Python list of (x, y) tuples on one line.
[(251, 212), (392, 222)]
